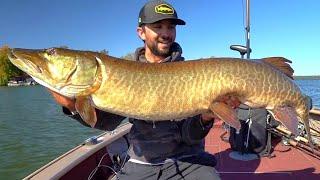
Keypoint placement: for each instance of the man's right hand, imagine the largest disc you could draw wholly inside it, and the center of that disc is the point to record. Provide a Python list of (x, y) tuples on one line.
[(63, 100)]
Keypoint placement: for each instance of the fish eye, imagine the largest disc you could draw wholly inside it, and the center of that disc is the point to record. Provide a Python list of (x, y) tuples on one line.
[(51, 51)]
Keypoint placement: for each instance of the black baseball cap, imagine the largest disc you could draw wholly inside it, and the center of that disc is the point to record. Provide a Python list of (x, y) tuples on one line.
[(157, 10)]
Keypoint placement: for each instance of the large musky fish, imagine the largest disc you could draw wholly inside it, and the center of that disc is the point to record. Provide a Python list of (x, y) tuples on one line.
[(167, 90)]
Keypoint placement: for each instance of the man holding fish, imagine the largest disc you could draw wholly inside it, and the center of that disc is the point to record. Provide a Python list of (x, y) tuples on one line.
[(158, 93), (159, 149)]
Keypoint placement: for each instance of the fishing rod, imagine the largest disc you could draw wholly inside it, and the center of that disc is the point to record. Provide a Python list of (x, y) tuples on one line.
[(298, 142)]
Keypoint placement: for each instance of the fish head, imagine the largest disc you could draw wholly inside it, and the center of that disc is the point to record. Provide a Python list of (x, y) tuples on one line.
[(67, 72)]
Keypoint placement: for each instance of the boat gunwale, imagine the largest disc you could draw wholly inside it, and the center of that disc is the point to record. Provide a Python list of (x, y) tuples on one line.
[(61, 165)]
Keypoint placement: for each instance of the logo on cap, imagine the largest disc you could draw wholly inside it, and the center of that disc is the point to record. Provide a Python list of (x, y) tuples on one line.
[(164, 9)]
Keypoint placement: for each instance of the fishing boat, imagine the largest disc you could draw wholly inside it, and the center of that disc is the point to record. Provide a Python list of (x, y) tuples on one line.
[(103, 156)]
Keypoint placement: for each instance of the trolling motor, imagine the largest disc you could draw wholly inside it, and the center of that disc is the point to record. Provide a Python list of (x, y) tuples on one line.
[(241, 49), (245, 49)]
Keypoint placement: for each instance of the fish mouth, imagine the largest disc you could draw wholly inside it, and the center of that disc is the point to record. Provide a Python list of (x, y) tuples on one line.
[(24, 63), (11, 55), (35, 71)]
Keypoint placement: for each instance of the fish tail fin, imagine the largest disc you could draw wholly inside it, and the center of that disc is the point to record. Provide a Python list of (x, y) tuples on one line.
[(307, 128), (303, 108), (308, 102), (280, 63)]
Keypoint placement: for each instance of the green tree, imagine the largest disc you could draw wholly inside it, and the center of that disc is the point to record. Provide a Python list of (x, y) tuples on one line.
[(104, 51), (129, 56), (7, 69)]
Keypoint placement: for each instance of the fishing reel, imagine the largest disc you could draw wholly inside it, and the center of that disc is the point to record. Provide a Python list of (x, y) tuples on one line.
[(301, 130)]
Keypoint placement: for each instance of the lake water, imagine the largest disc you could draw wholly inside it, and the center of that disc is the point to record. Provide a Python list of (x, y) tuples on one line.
[(33, 130)]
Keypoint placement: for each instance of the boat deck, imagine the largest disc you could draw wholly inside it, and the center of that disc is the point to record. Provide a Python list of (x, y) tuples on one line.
[(287, 163)]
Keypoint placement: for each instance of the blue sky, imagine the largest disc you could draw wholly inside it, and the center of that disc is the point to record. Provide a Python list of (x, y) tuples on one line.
[(288, 28)]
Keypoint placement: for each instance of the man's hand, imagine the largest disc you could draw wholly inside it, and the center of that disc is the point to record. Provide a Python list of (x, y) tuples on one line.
[(63, 101)]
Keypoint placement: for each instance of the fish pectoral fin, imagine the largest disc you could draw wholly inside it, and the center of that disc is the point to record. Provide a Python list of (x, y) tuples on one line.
[(86, 110), (288, 117), (226, 114)]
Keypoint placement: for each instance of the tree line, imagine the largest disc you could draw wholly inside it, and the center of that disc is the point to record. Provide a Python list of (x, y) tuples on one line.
[(7, 69)]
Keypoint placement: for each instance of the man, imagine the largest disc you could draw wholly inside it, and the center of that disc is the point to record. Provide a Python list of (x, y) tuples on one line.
[(167, 149)]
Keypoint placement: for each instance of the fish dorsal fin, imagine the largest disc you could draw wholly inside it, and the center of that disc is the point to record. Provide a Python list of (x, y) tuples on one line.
[(280, 63)]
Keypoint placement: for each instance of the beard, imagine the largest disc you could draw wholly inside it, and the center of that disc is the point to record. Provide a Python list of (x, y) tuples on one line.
[(165, 52)]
